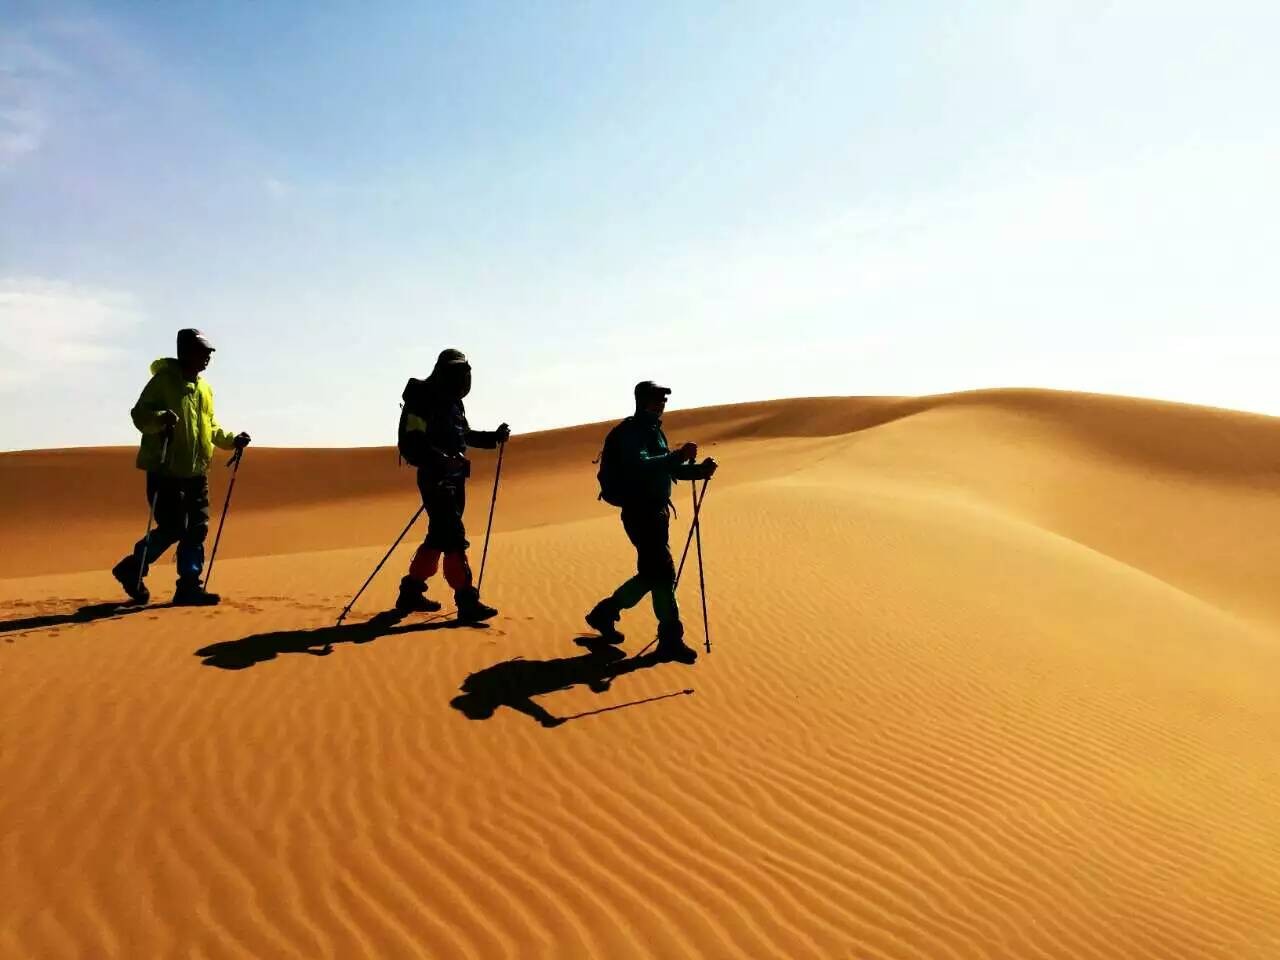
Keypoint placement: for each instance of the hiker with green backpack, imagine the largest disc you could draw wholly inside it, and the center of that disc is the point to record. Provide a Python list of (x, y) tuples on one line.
[(434, 437), (636, 471)]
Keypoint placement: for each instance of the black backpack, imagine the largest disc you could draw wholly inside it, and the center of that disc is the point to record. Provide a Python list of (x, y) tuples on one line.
[(412, 402), (615, 478)]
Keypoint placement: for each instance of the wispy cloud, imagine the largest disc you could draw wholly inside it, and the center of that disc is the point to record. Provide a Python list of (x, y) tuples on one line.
[(53, 329), (279, 189), (28, 76), (22, 129)]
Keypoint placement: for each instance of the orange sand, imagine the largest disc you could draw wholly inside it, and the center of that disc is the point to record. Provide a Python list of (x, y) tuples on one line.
[(994, 676)]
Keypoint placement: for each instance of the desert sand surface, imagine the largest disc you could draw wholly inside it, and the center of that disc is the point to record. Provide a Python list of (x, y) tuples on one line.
[(994, 675)]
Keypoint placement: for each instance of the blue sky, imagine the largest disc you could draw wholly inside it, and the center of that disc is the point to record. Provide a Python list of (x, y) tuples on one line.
[(745, 200)]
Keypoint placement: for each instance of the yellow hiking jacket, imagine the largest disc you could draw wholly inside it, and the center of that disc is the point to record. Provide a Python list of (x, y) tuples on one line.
[(197, 432)]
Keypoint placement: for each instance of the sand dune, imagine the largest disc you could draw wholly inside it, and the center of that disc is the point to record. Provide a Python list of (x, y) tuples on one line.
[(994, 676)]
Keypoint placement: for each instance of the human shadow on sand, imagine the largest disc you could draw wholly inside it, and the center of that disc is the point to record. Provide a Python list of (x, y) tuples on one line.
[(318, 641), (514, 683), (111, 610)]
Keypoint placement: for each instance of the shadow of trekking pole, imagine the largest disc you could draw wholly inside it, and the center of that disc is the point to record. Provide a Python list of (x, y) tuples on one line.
[(629, 703)]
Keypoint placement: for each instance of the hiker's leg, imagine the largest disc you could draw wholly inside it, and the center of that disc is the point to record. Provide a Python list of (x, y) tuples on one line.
[(634, 589), (426, 560), (425, 563), (195, 515), (413, 585), (650, 533), (451, 536), (665, 607), (169, 520), (162, 529), (457, 571), (445, 501), (661, 570), (630, 593), (604, 616), (447, 533)]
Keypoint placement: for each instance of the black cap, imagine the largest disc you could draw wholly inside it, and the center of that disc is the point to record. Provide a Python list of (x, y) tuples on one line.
[(451, 356), (647, 389), (191, 339)]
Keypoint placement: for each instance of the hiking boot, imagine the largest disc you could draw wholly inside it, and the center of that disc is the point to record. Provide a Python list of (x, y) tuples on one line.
[(413, 597), (191, 593), (602, 618), (126, 572), (671, 645), (470, 609)]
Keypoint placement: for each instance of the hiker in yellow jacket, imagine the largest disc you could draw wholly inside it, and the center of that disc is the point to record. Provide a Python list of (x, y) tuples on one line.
[(179, 433)]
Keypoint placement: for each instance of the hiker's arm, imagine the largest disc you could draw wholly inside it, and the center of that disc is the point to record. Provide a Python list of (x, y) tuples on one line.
[(222, 439), (481, 439), (150, 415), (668, 462), (488, 439), (695, 471)]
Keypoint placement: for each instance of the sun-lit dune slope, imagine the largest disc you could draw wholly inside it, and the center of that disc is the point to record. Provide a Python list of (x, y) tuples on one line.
[(993, 676)]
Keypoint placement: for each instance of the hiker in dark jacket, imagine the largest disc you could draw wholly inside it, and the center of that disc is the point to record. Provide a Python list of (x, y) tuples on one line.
[(179, 433), (434, 438), (644, 468)]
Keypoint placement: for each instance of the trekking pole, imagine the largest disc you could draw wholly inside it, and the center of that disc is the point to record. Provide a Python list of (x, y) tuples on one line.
[(698, 497), (234, 464), (347, 609), (702, 582), (151, 515), (697, 505), (492, 503)]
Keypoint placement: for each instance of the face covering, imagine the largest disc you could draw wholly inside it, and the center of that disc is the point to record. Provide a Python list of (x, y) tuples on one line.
[(455, 379)]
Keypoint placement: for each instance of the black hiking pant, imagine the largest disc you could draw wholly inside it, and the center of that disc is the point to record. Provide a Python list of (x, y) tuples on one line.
[(445, 499), (648, 527), (182, 517)]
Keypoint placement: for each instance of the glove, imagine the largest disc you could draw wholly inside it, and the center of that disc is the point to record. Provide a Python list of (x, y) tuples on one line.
[(241, 441), (503, 433), (168, 419), (707, 469), (687, 451)]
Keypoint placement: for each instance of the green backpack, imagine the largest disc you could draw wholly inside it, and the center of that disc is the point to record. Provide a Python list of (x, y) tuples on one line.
[(615, 479), (413, 400)]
